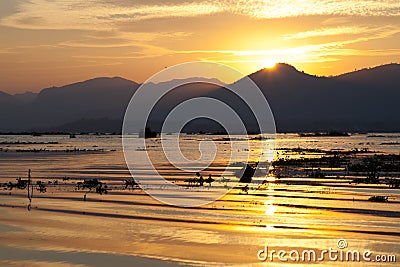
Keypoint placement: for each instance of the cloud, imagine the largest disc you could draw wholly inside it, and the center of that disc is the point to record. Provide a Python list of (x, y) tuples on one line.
[(121, 39), (7, 51), (95, 15), (322, 52), (337, 21), (109, 15), (80, 66), (291, 8), (327, 32), (307, 53)]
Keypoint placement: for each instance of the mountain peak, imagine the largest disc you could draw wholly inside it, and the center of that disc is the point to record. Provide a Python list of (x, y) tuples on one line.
[(281, 67), (107, 81), (281, 71), (99, 83)]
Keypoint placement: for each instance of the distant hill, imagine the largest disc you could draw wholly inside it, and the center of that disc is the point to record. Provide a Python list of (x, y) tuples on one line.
[(52, 107), (360, 101), (25, 97), (7, 99), (9, 108), (100, 125)]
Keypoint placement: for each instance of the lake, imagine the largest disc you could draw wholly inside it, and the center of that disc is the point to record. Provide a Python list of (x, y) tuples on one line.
[(315, 197)]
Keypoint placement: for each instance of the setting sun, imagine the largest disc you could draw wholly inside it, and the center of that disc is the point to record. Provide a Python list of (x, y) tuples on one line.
[(269, 64)]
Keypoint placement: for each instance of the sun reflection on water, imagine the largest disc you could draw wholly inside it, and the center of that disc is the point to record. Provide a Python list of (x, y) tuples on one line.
[(270, 208)]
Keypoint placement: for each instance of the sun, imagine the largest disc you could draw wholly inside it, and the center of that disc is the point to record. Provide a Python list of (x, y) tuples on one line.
[(269, 64)]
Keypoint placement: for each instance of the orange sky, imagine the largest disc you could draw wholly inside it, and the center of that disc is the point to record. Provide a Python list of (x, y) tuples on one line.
[(46, 43)]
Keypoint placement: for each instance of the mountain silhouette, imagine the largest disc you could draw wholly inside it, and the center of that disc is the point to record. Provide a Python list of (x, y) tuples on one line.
[(99, 125), (383, 76), (25, 98), (52, 107), (359, 101)]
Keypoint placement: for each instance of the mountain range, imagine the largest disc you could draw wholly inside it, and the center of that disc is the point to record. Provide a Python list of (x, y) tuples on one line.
[(366, 100)]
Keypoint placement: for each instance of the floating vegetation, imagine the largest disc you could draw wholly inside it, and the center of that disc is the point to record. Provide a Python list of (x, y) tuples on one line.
[(390, 143), (383, 136), (200, 181), (301, 150), (28, 143), (23, 184), (323, 161), (376, 136), (131, 184), (392, 182), (41, 187), (379, 199), (359, 167), (316, 174), (20, 184), (259, 138), (99, 187), (322, 134), (37, 150), (227, 139), (377, 163)]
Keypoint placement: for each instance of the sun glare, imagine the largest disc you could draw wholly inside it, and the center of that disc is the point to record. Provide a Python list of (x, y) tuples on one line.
[(269, 64)]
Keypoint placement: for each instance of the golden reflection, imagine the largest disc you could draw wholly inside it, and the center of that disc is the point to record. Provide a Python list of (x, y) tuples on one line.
[(270, 208), (270, 179), (265, 228)]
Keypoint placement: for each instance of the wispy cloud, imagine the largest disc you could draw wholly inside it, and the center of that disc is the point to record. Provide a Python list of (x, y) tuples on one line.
[(322, 52), (81, 66), (290, 8), (7, 51), (103, 15), (96, 15), (121, 39), (328, 32)]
